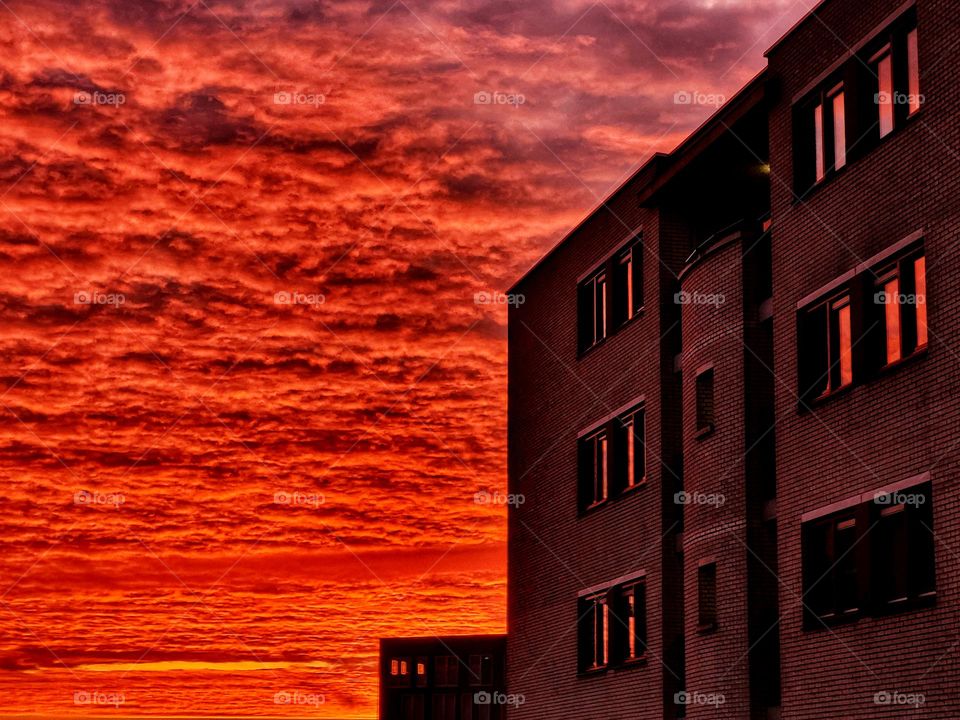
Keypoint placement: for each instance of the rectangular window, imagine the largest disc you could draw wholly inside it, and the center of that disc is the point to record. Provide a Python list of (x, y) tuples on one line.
[(412, 707), (631, 450), (903, 547), (901, 300), (594, 469), (821, 168), (707, 597), (630, 624), (885, 92), (444, 706), (592, 311), (839, 129), (421, 671), (594, 623), (628, 282), (399, 671), (481, 669), (705, 413), (830, 567), (446, 671), (913, 72)]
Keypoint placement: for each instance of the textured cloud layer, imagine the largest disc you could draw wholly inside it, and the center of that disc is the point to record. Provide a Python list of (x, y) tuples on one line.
[(247, 390)]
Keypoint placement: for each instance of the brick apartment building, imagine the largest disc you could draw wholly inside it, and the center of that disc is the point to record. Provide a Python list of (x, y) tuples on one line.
[(457, 677), (732, 397)]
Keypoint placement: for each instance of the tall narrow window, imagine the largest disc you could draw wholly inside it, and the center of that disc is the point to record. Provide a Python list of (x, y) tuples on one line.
[(707, 597), (821, 168), (594, 623), (628, 282), (840, 344), (705, 411), (594, 469), (920, 292), (592, 311), (885, 92), (839, 129), (631, 465), (913, 72), (890, 297), (631, 622)]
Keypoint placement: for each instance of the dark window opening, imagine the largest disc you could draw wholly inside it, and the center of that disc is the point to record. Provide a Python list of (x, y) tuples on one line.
[(825, 345), (446, 671), (481, 669), (901, 309), (594, 469), (630, 628), (628, 282), (594, 623), (592, 311), (630, 450), (707, 597), (705, 406)]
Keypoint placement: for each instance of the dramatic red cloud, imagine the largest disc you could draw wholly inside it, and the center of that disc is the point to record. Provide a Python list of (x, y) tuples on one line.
[(248, 390)]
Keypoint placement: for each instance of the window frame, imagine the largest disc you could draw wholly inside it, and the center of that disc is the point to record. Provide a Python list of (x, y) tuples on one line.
[(705, 401), (600, 295), (611, 602), (707, 596)]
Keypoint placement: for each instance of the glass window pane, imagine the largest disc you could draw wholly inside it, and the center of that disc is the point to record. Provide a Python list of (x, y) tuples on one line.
[(818, 140), (913, 71), (839, 132), (920, 275), (846, 356), (891, 293), (631, 468), (885, 94)]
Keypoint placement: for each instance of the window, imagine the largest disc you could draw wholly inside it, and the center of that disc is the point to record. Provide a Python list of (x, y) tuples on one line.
[(592, 313), (594, 624), (830, 567), (481, 669), (705, 416), (901, 303), (446, 671), (826, 122), (884, 71), (913, 72), (594, 469), (707, 597), (399, 671), (411, 707), (444, 706), (826, 348), (874, 556), (421, 671), (628, 282), (630, 626), (903, 566), (630, 465)]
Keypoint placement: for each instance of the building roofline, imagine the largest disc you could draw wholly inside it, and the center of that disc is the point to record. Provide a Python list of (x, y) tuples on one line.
[(657, 163), (442, 638), (796, 26)]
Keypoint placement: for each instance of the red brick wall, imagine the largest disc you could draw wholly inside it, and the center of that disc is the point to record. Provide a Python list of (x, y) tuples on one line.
[(896, 426), (553, 551)]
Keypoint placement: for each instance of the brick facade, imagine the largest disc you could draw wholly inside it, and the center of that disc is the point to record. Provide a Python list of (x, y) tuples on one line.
[(734, 247)]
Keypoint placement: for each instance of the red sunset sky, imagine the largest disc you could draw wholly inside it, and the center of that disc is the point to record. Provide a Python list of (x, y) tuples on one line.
[(196, 200)]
